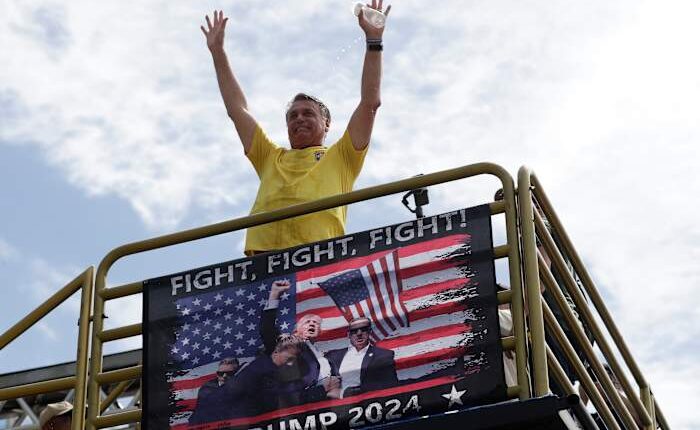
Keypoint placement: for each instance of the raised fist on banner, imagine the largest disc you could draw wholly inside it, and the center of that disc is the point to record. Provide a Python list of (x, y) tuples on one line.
[(279, 287)]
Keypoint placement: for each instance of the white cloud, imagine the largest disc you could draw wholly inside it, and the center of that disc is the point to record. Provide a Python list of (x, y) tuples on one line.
[(46, 280), (49, 332), (7, 251), (120, 110)]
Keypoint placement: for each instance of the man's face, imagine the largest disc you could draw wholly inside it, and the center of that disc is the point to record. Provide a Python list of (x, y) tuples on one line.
[(359, 335), (225, 371), (285, 356), (309, 327), (305, 125)]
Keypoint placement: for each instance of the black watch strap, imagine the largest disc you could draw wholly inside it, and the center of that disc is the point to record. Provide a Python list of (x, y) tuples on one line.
[(375, 45)]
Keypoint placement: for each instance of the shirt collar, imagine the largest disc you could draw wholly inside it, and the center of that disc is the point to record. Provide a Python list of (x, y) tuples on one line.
[(362, 351)]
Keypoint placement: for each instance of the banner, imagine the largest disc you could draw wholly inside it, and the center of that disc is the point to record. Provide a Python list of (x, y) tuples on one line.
[(374, 327)]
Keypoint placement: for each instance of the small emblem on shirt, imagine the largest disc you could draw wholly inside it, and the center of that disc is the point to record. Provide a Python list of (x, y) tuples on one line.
[(318, 155)]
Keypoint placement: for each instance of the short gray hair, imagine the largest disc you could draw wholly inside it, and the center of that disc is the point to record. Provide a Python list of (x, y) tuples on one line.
[(325, 112)]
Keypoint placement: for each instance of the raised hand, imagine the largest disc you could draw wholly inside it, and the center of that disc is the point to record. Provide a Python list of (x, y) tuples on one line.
[(372, 32), (215, 32), (279, 287)]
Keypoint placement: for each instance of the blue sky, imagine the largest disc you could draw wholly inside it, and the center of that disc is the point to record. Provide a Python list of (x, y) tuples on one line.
[(112, 130)]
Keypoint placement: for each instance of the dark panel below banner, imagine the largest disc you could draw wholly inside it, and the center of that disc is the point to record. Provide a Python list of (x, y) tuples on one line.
[(366, 329)]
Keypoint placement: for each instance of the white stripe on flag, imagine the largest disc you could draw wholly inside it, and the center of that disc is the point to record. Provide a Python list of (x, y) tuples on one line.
[(431, 278), (373, 302), (389, 290)]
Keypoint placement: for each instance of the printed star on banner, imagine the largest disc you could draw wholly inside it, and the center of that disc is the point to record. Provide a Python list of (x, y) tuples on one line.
[(454, 396), (212, 325)]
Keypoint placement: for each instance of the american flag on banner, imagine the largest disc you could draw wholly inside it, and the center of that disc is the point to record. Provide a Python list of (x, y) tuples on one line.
[(372, 291), (224, 324), (427, 283)]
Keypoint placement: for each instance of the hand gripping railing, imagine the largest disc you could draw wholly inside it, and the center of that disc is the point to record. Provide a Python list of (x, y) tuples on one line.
[(102, 294), (78, 382)]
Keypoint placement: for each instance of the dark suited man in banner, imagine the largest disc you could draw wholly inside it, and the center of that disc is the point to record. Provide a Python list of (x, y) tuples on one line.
[(214, 397), (258, 387), (311, 378), (363, 366)]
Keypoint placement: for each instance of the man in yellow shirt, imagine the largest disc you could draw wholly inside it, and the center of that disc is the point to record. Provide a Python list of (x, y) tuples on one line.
[(308, 171)]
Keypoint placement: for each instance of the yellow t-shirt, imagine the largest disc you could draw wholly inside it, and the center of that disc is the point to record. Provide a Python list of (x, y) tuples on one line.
[(293, 176)]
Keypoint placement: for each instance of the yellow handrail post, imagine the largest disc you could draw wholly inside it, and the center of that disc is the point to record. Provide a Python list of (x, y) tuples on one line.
[(532, 283), (582, 306), (78, 382), (81, 363), (516, 288)]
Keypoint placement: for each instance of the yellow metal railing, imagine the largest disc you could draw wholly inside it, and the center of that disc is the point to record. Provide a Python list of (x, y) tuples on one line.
[(102, 293), (534, 208), (531, 314), (78, 382)]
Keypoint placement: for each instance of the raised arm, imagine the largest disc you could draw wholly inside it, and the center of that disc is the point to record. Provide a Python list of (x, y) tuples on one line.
[(231, 92), (362, 120)]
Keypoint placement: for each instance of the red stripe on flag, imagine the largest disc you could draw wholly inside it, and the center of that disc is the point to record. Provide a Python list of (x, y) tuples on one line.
[(401, 317), (430, 357), (341, 266), (325, 312), (442, 308), (424, 336), (191, 384), (373, 317), (404, 251), (443, 242), (430, 266), (311, 293), (399, 287), (333, 334), (435, 288), (417, 315), (378, 292), (184, 406)]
